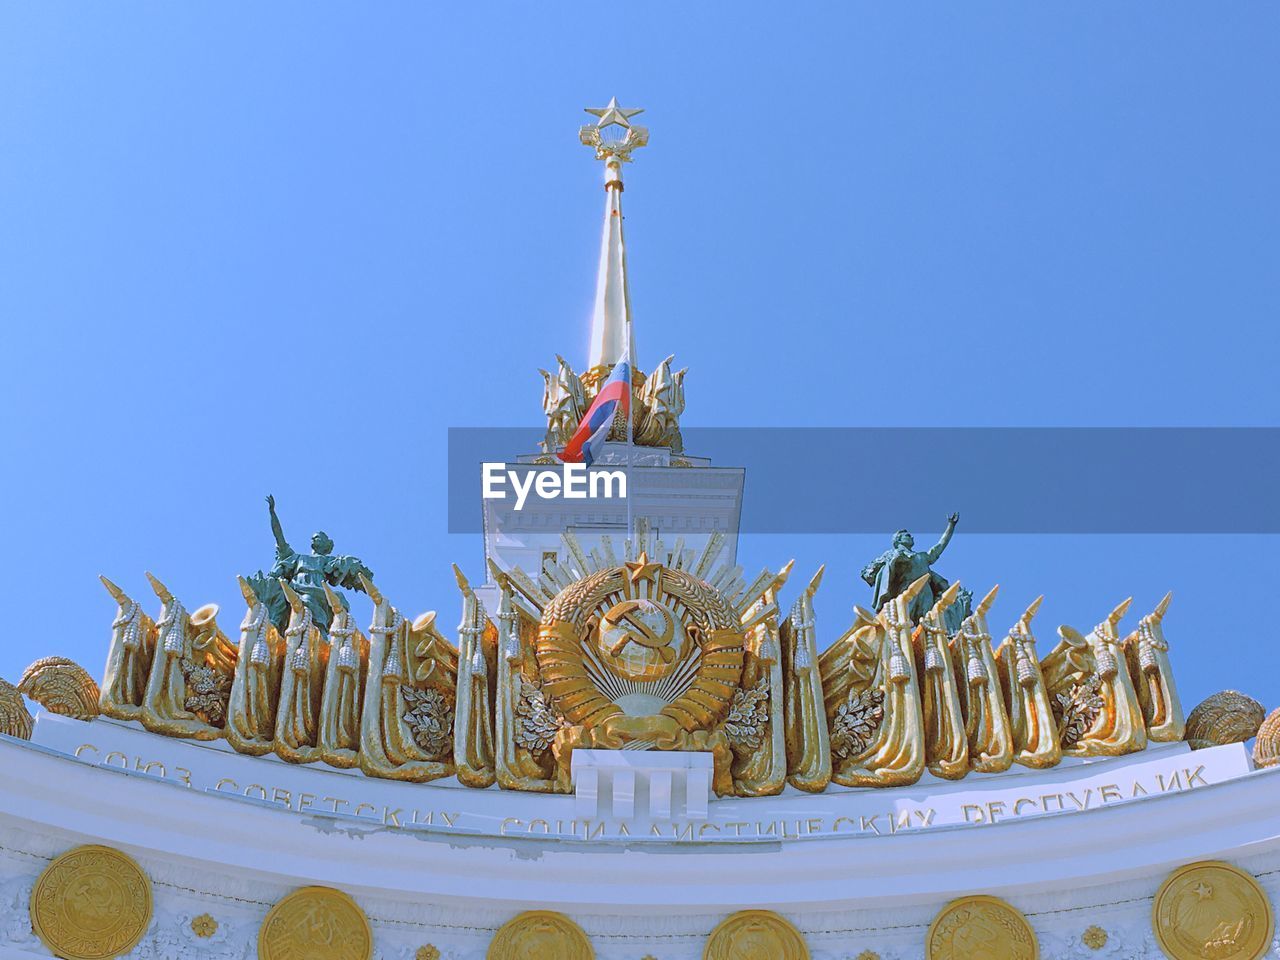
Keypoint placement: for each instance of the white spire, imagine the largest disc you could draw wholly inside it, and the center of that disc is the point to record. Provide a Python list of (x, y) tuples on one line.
[(613, 138), (611, 334)]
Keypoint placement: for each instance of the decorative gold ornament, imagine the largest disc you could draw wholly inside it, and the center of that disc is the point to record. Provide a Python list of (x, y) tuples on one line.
[(91, 903), (315, 923), (406, 721), (429, 952), (1266, 749), (1226, 717), (61, 686), (1147, 652), (1212, 909), (982, 701), (1095, 938), (15, 718), (868, 955), (192, 672), (981, 928), (642, 653), (204, 926), (756, 935), (129, 658), (540, 935), (1094, 701), (946, 742), (613, 135), (1035, 732), (872, 697)]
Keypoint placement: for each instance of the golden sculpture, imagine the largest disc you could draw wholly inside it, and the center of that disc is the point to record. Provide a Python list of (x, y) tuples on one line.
[(255, 690), (91, 903), (133, 644), (981, 928), (540, 935), (315, 923), (192, 672), (754, 725), (1147, 653), (344, 682), (15, 719), (306, 657), (610, 652), (406, 723), (1094, 701), (873, 701), (807, 738), (61, 686), (1228, 716), (524, 725), (1034, 731), (428, 952), (1266, 749), (1212, 909), (946, 743), (473, 742), (986, 718), (755, 935)]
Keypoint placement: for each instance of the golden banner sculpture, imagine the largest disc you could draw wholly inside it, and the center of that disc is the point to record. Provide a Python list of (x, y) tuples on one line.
[(657, 648)]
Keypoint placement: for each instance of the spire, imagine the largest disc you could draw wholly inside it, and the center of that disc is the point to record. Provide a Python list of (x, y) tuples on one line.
[(613, 138)]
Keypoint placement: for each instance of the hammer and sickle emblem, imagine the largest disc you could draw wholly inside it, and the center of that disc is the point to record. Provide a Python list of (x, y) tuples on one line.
[(627, 617)]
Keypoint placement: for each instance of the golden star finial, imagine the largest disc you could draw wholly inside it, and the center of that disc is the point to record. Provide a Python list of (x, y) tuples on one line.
[(614, 114), (641, 569)]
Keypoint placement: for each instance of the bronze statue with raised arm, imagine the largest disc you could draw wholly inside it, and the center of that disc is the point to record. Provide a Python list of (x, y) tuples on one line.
[(896, 569), (306, 574)]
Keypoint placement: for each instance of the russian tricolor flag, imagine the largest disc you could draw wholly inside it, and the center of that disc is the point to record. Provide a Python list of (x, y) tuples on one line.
[(594, 429)]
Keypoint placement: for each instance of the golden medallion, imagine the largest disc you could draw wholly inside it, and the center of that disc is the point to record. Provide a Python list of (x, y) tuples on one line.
[(315, 923), (91, 903), (981, 928), (756, 935), (540, 935), (1212, 909)]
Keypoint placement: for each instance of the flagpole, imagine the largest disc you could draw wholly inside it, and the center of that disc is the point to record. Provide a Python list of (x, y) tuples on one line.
[(630, 414)]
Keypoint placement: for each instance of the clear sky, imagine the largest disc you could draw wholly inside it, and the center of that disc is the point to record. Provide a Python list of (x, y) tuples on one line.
[(252, 248)]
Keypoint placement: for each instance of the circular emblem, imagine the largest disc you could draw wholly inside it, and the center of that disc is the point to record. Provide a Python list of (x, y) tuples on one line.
[(315, 923), (540, 935), (640, 640), (91, 903), (981, 928), (755, 935), (1212, 910)]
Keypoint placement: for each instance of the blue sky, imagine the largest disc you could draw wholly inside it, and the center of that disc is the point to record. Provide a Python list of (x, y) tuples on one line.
[(282, 248)]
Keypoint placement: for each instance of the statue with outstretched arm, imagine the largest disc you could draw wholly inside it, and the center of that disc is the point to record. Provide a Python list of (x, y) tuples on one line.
[(306, 574), (895, 569)]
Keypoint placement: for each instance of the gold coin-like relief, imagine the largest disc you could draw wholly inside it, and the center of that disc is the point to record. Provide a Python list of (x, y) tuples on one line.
[(315, 923), (755, 935), (1212, 909), (540, 935), (981, 928), (91, 903)]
